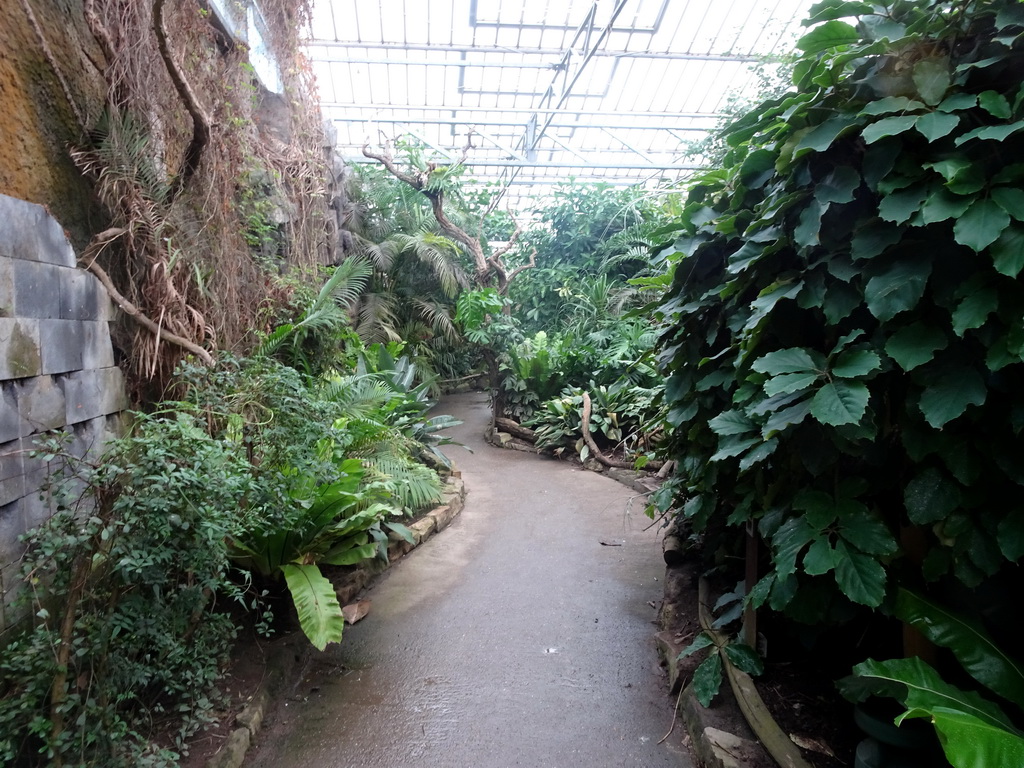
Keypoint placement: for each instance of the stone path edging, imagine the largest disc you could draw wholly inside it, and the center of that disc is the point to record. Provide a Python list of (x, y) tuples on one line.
[(286, 657)]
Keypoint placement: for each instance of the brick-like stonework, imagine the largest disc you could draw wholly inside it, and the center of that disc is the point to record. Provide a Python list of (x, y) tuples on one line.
[(57, 369)]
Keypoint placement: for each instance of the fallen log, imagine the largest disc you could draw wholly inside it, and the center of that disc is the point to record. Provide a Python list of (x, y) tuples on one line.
[(607, 460), (515, 429)]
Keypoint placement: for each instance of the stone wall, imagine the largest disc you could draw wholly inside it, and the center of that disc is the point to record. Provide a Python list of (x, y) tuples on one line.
[(57, 369)]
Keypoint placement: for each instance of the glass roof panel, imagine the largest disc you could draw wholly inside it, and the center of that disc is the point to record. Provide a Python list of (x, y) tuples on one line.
[(544, 90)]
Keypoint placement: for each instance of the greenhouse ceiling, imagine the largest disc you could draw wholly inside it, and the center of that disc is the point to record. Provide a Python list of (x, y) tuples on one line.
[(543, 91)]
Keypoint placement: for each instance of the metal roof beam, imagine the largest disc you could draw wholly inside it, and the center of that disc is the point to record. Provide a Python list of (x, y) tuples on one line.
[(354, 159), (533, 134), (514, 124), (524, 110), (442, 48)]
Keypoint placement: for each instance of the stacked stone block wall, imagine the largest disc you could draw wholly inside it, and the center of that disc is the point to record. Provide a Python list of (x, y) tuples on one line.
[(57, 369)]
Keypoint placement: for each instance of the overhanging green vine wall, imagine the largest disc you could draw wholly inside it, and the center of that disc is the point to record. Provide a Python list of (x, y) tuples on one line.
[(846, 321)]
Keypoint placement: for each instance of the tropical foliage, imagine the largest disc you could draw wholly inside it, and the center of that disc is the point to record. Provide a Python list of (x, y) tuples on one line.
[(841, 356)]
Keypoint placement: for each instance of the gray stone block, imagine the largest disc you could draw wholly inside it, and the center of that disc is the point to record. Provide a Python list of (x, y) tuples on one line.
[(79, 295), (12, 472), (97, 349), (88, 439), (41, 403), (28, 232), (12, 525), (54, 247), (36, 289), (20, 355), (12, 426), (93, 393), (36, 509), (7, 308), (61, 343), (115, 396)]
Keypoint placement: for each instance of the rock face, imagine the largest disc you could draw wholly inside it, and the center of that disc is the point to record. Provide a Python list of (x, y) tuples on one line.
[(37, 122), (57, 368)]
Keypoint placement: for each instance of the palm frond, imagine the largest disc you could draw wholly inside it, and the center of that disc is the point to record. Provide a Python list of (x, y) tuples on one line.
[(438, 316), (412, 485)]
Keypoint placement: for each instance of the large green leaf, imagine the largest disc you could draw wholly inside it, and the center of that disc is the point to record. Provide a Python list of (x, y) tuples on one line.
[(915, 344), (820, 558), (1008, 251), (702, 641), (898, 207), (969, 742), (854, 363), (962, 176), (923, 689), (890, 104), (707, 679), (941, 205), (792, 536), (932, 78), (949, 394), (789, 382), (858, 526), (839, 186), (829, 35), (315, 603), (873, 238), (783, 418), (898, 288), (835, 9), (972, 646), (744, 658), (930, 496), (840, 402), (990, 133), (731, 423), (974, 310), (793, 360), (1011, 200), (861, 577), (935, 125), (958, 102), (981, 225), (351, 554), (888, 126), (821, 136), (995, 104)]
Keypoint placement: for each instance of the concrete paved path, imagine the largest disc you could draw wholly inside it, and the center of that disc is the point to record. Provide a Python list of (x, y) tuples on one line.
[(514, 638)]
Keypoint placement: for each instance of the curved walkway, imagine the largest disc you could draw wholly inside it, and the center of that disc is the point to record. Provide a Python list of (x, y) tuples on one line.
[(521, 636)]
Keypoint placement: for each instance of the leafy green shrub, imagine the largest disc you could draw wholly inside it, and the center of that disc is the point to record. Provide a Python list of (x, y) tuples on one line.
[(256, 466), (844, 344), (621, 418), (123, 637)]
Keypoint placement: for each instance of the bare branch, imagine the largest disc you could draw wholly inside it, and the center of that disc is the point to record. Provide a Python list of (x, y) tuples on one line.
[(521, 268), (416, 181), (200, 120), (89, 261), (511, 241), (99, 31)]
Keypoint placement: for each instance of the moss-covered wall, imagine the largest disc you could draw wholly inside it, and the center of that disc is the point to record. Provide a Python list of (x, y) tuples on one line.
[(37, 124)]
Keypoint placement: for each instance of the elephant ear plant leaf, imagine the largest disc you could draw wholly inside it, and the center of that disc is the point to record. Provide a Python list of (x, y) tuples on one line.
[(974, 732)]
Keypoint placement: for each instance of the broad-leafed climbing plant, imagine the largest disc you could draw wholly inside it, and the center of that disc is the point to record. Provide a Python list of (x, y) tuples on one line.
[(846, 319)]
